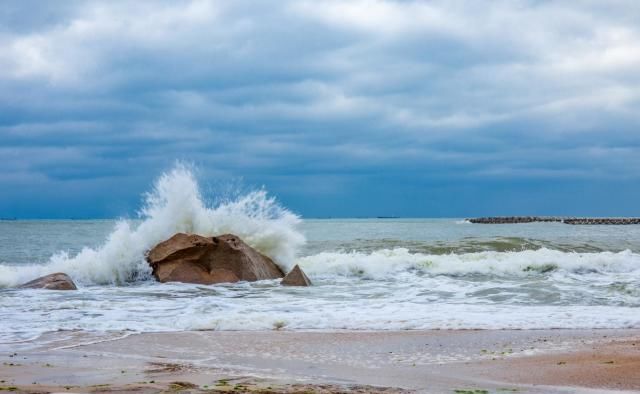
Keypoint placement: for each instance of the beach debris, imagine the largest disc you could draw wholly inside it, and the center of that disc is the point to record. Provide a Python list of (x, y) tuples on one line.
[(57, 281), (296, 277), (155, 367), (279, 325), (178, 385), (192, 258)]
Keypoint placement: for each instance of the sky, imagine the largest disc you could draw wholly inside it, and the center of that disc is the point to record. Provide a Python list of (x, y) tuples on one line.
[(451, 108)]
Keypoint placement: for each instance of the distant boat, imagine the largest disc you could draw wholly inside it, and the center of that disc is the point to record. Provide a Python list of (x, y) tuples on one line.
[(8, 219), (387, 217)]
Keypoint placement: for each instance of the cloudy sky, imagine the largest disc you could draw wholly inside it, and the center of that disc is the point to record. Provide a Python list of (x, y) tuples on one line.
[(360, 108)]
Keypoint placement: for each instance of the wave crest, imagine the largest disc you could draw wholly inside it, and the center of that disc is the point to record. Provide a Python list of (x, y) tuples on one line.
[(388, 263)]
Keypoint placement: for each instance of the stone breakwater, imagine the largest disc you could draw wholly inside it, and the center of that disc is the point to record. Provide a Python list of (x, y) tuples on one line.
[(566, 220)]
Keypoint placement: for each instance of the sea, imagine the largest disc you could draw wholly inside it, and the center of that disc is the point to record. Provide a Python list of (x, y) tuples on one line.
[(367, 274)]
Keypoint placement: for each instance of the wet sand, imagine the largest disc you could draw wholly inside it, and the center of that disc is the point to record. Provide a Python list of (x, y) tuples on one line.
[(492, 361)]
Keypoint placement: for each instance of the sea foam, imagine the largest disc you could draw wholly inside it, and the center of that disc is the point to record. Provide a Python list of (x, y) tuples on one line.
[(174, 205), (387, 263)]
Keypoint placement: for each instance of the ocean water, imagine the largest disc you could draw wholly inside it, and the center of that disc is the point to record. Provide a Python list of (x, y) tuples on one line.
[(384, 274)]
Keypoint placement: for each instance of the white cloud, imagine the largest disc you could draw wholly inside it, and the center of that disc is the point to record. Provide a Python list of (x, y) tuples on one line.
[(371, 81)]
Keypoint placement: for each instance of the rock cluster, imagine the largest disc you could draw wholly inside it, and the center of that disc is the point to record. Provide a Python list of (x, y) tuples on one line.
[(192, 258)]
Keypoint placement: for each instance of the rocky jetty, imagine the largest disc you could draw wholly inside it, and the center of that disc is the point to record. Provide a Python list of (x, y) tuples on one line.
[(614, 221), (532, 219), (193, 258), (57, 281), (513, 219), (296, 277)]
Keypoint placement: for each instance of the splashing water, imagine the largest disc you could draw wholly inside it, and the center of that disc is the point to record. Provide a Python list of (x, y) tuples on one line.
[(366, 273), (174, 205)]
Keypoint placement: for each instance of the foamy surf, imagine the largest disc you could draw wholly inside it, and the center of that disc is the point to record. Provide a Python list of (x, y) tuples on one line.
[(387, 274), (174, 205), (387, 263)]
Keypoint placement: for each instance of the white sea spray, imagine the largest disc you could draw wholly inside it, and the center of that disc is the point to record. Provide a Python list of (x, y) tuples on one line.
[(174, 205)]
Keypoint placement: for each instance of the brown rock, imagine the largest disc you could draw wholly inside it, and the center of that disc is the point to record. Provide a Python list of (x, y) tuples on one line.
[(57, 281), (193, 258), (296, 277)]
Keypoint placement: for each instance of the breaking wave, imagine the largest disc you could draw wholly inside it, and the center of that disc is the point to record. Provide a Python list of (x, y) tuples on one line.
[(387, 263), (174, 205)]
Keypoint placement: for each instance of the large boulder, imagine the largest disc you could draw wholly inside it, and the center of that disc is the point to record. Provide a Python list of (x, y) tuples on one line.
[(193, 258), (296, 277), (57, 281)]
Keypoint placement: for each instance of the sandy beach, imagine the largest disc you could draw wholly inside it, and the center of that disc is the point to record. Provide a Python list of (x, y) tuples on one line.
[(435, 361)]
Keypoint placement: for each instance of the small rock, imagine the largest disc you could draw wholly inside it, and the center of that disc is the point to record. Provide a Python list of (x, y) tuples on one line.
[(296, 277), (57, 281)]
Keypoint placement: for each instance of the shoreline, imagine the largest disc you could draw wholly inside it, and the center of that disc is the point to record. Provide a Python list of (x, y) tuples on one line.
[(433, 361)]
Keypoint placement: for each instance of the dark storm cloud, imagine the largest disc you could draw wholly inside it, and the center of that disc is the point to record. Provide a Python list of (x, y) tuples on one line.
[(339, 98)]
